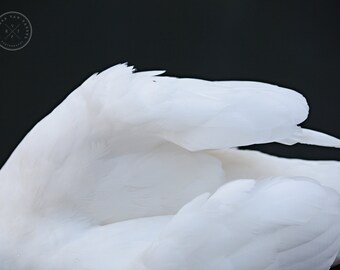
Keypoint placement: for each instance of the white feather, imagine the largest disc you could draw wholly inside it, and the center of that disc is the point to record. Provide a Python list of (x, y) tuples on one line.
[(251, 225), (95, 183)]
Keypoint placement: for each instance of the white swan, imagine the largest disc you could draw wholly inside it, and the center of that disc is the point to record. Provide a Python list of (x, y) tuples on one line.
[(119, 176)]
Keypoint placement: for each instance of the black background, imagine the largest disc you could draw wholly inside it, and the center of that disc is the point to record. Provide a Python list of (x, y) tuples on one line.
[(290, 43)]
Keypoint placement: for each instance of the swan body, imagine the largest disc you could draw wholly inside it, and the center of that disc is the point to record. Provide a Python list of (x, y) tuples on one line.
[(140, 171)]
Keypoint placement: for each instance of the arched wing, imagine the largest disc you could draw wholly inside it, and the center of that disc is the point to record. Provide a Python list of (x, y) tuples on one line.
[(126, 145)]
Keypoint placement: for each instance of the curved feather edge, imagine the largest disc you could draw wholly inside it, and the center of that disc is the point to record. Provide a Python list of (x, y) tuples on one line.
[(251, 225), (312, 137)]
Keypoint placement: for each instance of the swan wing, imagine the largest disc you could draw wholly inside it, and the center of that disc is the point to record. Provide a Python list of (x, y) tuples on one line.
[(126, 145), (248, 224)]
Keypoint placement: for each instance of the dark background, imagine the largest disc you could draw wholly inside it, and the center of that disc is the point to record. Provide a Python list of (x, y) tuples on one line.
[(290, 43)]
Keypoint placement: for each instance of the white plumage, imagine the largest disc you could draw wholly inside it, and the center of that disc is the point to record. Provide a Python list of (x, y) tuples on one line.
[(131, 171)]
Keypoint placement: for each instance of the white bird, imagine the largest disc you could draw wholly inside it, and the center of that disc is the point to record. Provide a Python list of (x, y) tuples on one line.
[(139, 171)]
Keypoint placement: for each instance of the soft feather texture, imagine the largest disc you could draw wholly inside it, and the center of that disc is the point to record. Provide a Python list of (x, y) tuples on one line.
[(251, 225), (126, 146), (253, 164)]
